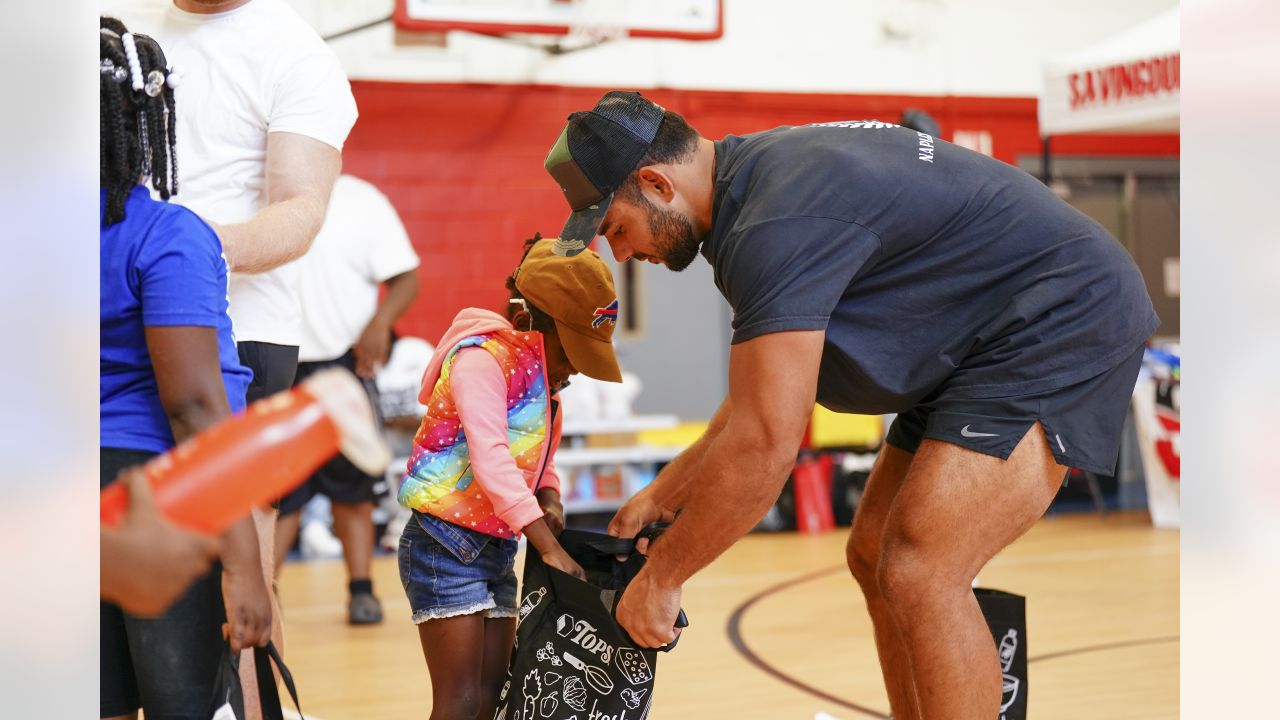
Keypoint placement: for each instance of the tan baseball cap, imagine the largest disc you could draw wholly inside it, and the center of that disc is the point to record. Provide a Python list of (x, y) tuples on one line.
[(577, 292)]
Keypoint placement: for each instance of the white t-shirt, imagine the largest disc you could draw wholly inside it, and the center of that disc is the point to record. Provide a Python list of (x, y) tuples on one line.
[(247, 72), (361, 244)]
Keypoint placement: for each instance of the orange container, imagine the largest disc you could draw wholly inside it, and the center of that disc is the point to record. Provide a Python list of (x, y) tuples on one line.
[(215, 478)]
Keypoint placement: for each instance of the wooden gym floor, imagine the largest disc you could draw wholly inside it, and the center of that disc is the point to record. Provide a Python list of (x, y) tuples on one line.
[(778, 631)]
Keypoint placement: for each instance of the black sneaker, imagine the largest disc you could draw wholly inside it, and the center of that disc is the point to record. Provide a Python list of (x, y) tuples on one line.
[(364, 609)]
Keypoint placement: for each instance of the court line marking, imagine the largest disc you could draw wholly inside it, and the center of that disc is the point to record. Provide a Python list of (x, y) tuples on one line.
[(1081, 556), (734, 630), (1107, 646)]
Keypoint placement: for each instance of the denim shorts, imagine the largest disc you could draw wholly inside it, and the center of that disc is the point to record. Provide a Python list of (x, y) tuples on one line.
[(449, 570)]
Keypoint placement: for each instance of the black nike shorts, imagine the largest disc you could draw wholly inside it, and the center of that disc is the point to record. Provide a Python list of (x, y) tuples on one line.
[(1082, 422)]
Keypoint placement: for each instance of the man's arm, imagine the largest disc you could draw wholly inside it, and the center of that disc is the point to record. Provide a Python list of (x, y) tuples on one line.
[(678, 476), (663, 497), (300, 175), (374, 346), (772, 385)]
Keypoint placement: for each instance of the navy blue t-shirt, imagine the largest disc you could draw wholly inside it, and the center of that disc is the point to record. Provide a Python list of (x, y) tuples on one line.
[(931, 267), (160, 266)]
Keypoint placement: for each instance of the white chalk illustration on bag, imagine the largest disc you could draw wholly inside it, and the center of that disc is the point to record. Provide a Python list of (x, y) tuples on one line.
[(645, 712), (532, 690), (549, 705), (575, 695), (1009, 687), (550, 678), (548, 654), (598, 679), (633, 666), (598, 715), (531, 601), (502, 713), (583, 634), (506, 688), (632, 698)]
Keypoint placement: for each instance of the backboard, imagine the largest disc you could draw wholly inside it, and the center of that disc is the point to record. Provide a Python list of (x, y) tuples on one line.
[(679, 19)]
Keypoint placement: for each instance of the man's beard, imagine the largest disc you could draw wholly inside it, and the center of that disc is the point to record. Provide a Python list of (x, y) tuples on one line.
[(672, 236)]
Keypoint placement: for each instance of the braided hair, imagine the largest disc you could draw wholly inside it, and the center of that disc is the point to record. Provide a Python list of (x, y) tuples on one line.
[(542, 322), (137, 116)]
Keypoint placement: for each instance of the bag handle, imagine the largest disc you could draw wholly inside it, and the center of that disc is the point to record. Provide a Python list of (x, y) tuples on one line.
[(609, 545), (268, 694), (228, 689)]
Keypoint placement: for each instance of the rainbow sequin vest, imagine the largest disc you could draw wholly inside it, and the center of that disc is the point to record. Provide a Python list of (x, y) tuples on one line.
[(440, 480)]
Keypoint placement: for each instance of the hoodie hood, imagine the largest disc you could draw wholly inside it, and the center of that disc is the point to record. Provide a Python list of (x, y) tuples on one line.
[(468, 322)]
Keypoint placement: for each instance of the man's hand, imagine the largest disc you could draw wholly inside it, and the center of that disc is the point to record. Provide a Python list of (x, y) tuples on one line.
[(372, 349), (639, 511), (552, 509), (248, 609), (147, 563), (648, 611)]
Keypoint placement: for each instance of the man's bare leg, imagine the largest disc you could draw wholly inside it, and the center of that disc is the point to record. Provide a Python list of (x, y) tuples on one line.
[(956, 509), (287, 527), (863, 556), (265, 522)]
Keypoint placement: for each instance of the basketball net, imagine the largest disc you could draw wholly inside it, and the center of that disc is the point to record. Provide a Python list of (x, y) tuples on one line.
[(594, 22)]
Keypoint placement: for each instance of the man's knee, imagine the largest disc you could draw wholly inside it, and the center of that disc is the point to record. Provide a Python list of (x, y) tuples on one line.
[(862, 554), (909, 578)]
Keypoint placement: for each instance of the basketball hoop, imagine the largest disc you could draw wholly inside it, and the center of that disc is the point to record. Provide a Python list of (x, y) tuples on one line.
[(592, 23)]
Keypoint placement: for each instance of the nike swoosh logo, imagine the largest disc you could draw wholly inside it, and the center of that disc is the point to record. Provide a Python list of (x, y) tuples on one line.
[(965, 431)]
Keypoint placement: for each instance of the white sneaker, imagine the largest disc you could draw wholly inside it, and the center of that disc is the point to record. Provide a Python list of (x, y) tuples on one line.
[(317, 541)]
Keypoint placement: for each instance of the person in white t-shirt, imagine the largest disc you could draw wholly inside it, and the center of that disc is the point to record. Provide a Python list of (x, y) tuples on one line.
[(264, 108), (361, 247)]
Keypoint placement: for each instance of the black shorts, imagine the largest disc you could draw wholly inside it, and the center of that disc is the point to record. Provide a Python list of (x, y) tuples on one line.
[(273, 366), (338, 479), (1082, 422), (166, 665)]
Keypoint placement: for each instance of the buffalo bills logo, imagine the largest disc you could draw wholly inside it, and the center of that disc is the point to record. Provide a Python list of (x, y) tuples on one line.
[(607, 314)]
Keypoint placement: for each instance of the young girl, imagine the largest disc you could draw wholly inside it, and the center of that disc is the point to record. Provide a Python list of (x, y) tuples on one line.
[(481, 471), (169, 369)]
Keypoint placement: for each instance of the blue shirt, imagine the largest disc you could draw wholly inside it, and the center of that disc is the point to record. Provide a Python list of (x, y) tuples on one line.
[(930, 267), (161, 266)]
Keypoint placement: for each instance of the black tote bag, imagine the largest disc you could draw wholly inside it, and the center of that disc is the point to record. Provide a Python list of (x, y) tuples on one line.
[(571, 658), (1006, 616)]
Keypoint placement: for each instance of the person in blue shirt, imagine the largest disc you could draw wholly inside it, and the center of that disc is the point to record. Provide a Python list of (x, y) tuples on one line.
[(873, 269), (169, 368)]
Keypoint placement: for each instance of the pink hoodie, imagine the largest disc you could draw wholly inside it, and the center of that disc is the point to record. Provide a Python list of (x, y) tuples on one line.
[(479, 390)]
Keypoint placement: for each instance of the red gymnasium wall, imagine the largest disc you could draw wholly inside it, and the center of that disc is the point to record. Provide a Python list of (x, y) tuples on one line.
[(463, 163)]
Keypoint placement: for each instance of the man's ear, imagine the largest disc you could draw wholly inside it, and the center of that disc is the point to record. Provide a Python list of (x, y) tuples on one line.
[(655, 181)]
